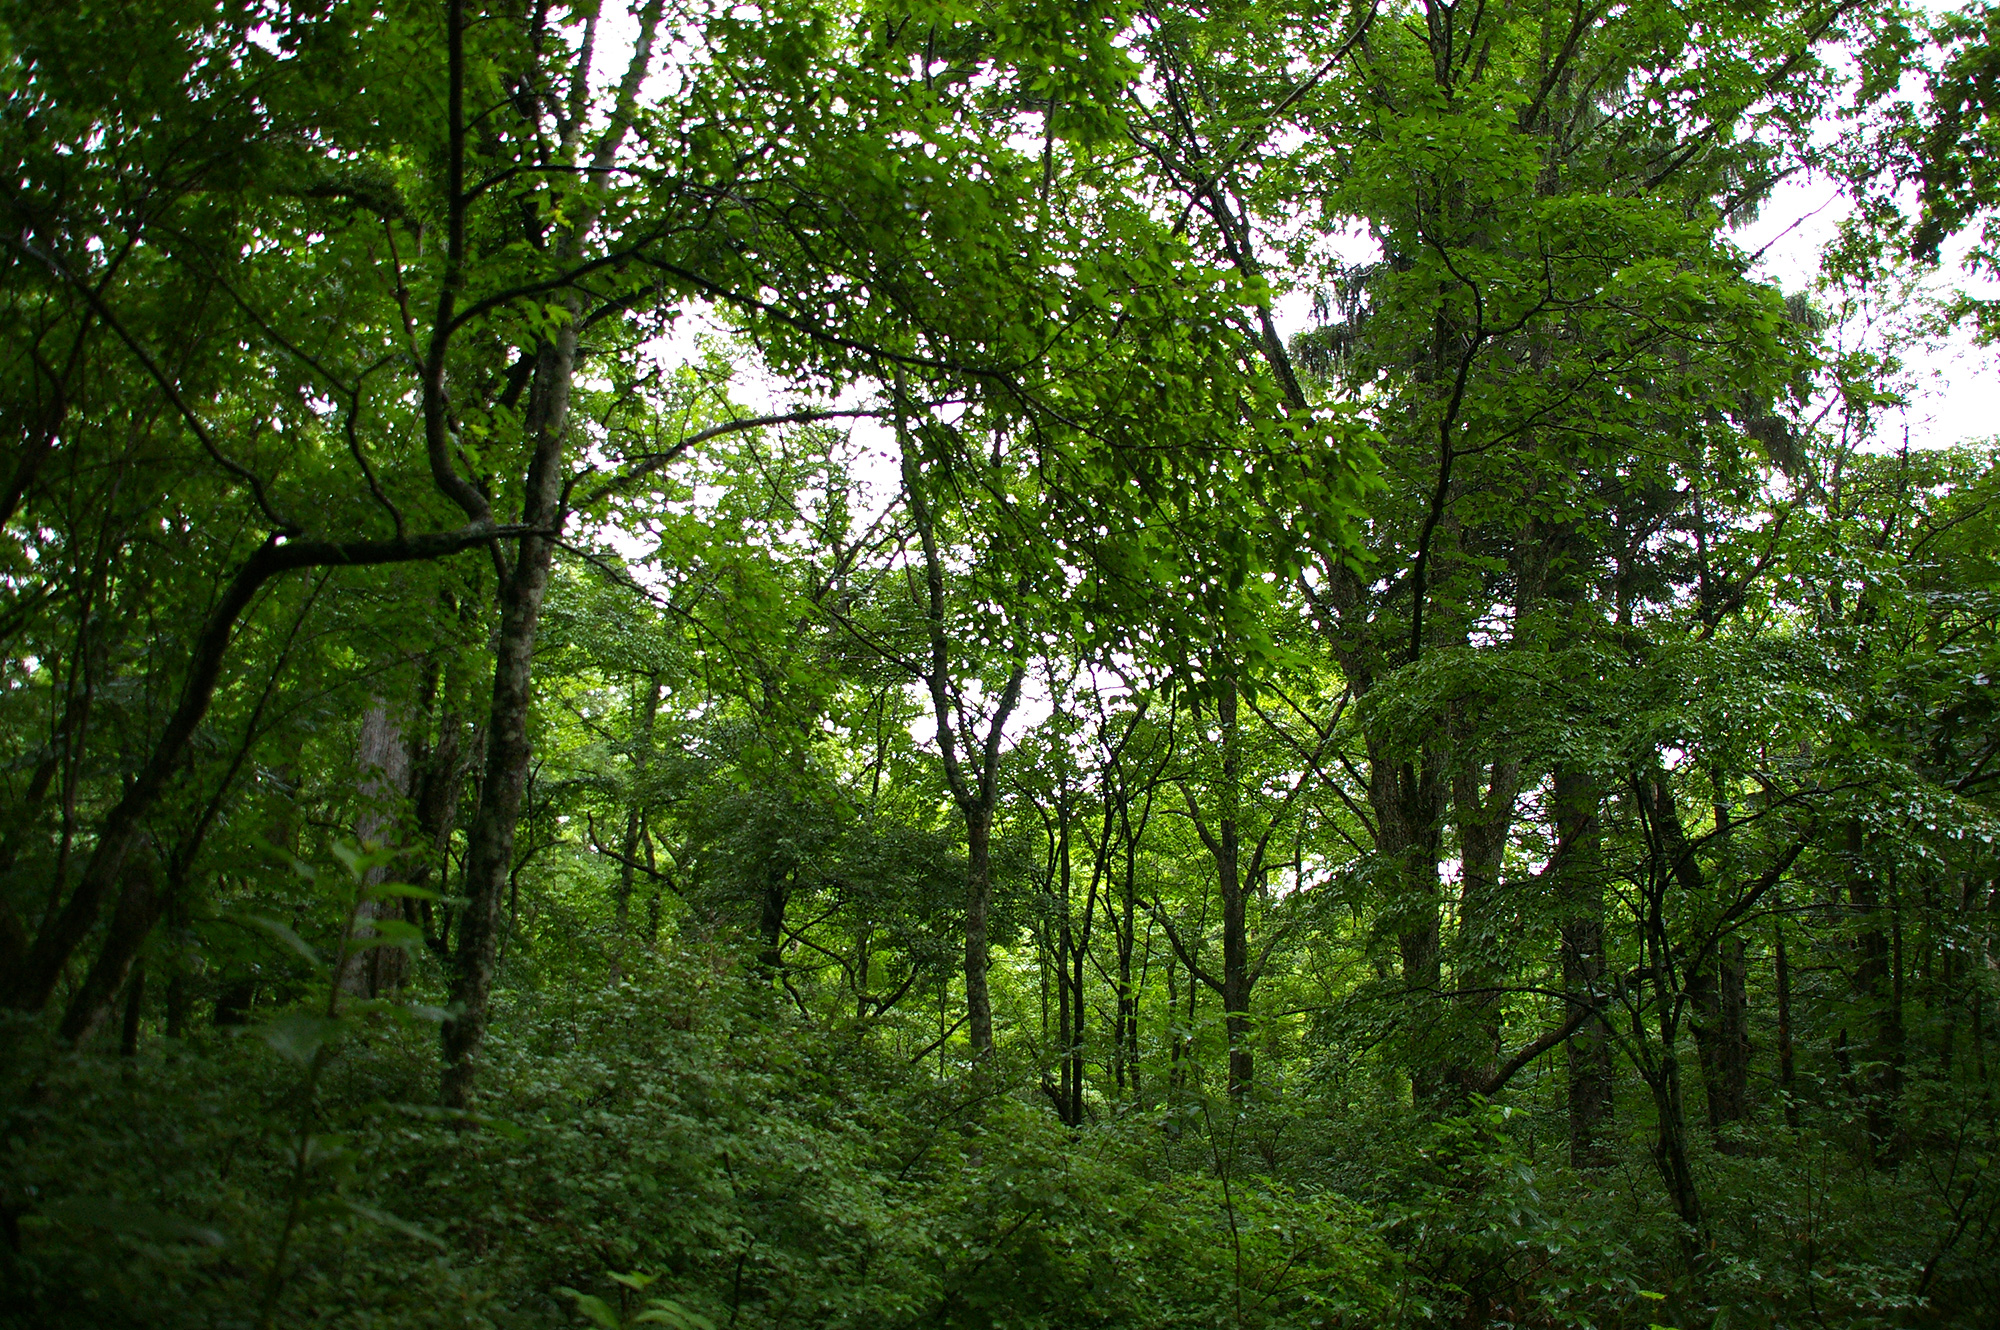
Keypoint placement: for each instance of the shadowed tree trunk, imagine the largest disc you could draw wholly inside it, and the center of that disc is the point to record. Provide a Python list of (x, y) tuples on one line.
[(1406, 797), (1577, 868), (635, 821), (1484, 819), (1872, 986)]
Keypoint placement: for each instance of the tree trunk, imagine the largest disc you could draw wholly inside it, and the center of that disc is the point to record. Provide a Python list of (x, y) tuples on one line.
[(439, 788), (1484, 820), (490, 839), (635, 821), (1670, 1150), (1128, 991), (1406, 798), (489, 851), (1225, 847), (1872, 989), (1579, 887), (1787, 1074), (978, 902), (132, 921), (771, 926), (1722, 1034), (135, 1001), (384, 759)]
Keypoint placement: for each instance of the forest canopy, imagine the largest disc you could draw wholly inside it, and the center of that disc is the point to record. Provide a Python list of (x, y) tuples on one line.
[(1033, 663)]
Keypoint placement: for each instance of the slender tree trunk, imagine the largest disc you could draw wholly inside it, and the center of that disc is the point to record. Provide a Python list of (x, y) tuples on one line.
[(976, 792), (1069, 1015), (635, 820), (1225, 847), (1787, 1075), (978, 903), (1128, 989), (1670, 1154), (509, 753), (439, 789), (1079, 956)]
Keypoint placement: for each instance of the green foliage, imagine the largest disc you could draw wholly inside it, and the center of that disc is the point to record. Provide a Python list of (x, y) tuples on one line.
[(748, 1168), (1478, 810)]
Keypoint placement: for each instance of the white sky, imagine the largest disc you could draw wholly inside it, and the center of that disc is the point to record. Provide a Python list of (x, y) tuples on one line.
[(1954, 393)]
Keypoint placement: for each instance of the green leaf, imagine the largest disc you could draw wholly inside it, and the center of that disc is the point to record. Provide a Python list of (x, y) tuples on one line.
[(400, 890), (389, 933), (665, 1311), (283, 933), (125, 1217), (387, 1220), (594, 1307), (297, 1036)]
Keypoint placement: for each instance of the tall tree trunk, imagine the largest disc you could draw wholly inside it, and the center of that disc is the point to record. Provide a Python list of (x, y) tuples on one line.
[(1225, 848), (976, 792), (1787, 1074), (1128, 989), (1579, 887), (439, 788), (1715, 986), (384, 759), (635, 821), (1406, 797), (1722, 1034), (978, 903), (1873, 989), (1484, 820), (1068, 1065), (489, 851), (490, 838)]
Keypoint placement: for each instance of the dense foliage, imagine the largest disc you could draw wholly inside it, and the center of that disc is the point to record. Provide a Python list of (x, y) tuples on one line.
[(720, 664)]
